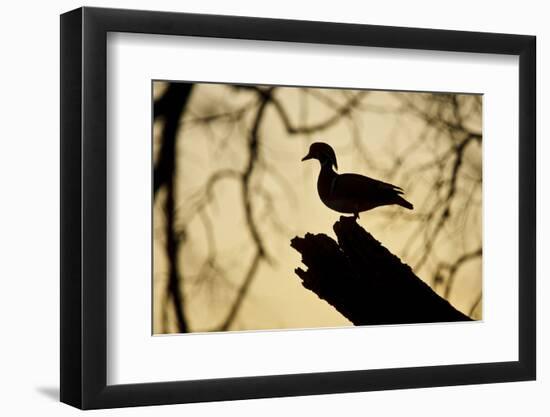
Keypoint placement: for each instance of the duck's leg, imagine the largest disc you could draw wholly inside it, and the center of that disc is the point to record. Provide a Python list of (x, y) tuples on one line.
[(356, 215)]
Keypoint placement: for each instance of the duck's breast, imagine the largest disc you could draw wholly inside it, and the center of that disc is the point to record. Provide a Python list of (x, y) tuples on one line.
[(329, 196)]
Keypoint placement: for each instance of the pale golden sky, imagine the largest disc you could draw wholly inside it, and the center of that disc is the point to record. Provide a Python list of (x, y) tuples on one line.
[(276, 298)]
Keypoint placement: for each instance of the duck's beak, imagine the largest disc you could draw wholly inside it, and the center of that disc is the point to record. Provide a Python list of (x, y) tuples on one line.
[(308, 156)]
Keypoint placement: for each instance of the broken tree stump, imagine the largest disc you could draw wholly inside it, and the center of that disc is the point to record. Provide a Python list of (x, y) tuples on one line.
[(365, 282)]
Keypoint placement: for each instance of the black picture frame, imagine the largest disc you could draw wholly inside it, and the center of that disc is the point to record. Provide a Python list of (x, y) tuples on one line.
[(84, 207)]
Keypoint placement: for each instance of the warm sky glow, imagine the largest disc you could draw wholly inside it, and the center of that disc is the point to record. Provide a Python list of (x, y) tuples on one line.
[(380, 138)]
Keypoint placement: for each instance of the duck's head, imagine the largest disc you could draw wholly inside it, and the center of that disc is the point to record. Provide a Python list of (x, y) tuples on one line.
[(323, 153)]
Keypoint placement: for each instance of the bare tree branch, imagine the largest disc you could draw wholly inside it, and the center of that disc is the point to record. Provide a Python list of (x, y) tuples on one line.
[(365, 282)]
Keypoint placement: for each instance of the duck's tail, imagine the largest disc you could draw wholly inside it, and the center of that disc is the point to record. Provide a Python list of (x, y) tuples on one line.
[(403, 203)]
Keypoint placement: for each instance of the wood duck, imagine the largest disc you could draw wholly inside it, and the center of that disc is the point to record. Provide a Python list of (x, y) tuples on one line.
[(351, 193)]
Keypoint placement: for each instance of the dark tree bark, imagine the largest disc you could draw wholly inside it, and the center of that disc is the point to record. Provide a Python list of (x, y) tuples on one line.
[(365, 282), (170, 107)]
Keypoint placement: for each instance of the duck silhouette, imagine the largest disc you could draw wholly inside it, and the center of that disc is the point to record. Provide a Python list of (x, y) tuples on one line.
[(351, 193)]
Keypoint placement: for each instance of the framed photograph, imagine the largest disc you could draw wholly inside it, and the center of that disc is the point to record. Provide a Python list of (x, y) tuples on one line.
[(258, 208)]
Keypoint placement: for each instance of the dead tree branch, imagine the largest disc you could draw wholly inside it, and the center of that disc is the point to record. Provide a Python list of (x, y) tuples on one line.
[(365, 282)]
